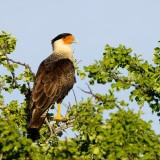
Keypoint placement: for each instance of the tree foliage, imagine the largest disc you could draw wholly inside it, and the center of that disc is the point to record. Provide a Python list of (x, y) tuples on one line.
[(123, 135)]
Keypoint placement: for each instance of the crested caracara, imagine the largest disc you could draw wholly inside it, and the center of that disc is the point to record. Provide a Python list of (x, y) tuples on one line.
[(54, 79)]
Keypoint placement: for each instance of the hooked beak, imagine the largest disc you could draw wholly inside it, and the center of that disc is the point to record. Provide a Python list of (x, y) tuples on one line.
[(74, 40)]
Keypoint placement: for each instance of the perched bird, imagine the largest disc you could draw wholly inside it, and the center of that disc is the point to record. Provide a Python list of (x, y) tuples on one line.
[(54, 79)]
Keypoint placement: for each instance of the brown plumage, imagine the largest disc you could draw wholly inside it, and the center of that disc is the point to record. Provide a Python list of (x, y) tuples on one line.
[(54, 79)]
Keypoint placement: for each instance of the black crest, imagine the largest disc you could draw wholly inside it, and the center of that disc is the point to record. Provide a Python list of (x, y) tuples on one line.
[(63, 35)]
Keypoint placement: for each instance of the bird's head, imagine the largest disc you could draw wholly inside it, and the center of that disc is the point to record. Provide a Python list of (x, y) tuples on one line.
[(64, 39), (62, 44)]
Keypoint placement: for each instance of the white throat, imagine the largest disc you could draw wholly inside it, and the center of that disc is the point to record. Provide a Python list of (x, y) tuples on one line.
[(63, 49)]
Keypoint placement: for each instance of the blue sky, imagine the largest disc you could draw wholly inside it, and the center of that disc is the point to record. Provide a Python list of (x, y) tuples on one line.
[(133, 23)]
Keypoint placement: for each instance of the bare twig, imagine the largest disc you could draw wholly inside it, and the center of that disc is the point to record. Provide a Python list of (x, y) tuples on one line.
[(78, 62), (51, 130), (22, 64), (96, 97), (74, 95), (1, 46), (68, 107), (90, 92), (0, 88), (57, 111), (1, 103), (131, 157), (62, 127), (29, 92), (13, 74), (8, 119), (139, 111), (155, 155), (1, 156), (136, 86)]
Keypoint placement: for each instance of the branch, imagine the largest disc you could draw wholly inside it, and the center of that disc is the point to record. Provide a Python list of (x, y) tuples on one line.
[(1, 156), (22, 64), (90, 92), (13, 74), (0, 88), (140, 107), (155, 155), (78, 62), (1, 102), (74, 95), (56, 131), (51, 131), (6, 114), (97, 98), (136, 86), (1, 46)]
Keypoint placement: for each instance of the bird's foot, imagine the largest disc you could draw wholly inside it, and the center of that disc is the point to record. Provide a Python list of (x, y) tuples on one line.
[(62, 119)]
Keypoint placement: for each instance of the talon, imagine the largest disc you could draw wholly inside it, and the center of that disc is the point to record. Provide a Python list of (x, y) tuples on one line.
[(63, 119)]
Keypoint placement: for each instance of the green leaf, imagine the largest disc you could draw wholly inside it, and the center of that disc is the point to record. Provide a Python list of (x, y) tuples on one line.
[(96, 150), (15, 66)]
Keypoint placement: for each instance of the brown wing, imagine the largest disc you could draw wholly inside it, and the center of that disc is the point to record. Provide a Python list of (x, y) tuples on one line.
[(51, 85)]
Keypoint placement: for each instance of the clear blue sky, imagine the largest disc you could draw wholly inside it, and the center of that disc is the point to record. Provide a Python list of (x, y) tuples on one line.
[(134, 23)]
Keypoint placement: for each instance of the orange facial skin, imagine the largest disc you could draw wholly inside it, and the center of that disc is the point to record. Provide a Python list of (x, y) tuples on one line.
[(68, 39)]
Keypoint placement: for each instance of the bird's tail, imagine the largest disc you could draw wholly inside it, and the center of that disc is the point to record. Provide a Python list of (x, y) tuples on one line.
[(33, 133)]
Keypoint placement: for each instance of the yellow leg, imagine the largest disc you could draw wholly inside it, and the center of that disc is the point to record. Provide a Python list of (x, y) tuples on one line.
[(58, 117), (59, 109)]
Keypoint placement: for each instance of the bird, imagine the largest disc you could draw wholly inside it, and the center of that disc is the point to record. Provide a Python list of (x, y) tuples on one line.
[(54, 79)]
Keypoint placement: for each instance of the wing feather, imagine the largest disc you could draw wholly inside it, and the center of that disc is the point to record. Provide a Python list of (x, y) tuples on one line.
[(37, 95)]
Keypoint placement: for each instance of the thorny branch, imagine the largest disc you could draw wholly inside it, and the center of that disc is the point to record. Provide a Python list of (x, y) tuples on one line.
[(96, 97)]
